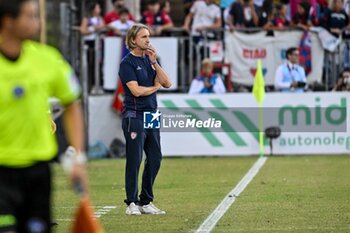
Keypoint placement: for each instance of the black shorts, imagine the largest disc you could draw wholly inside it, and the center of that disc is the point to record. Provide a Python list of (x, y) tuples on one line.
[(25, 196)]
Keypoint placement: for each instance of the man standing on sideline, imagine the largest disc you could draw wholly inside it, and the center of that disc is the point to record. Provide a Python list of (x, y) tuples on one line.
[(290, 77), (30, 73), (141, 76)]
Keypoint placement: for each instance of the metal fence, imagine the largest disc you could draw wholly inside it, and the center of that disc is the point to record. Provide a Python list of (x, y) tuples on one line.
[(192, 52), (335, 62)]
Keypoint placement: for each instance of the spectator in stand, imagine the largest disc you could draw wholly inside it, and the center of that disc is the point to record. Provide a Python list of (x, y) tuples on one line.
[(207, 81), (242, 15), (92, 23), (155, 19), (204, 15), (280, 20), (114, 14), (121, 25), (343, 81), (293, 7), (290, 77), (187, 5), (165, 6), (346, 36), (303, 19), (266, 15), (321, 8), (336, 18), (89, 28)]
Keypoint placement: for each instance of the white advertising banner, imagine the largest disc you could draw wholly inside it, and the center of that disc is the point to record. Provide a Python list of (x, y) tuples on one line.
[(315, 116), (243, 51), (216, 51), (112, 57), (167, 50), (104, 123), (311, 123)]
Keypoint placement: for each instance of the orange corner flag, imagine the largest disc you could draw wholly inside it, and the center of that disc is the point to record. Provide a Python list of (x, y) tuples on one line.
[(85, 222)]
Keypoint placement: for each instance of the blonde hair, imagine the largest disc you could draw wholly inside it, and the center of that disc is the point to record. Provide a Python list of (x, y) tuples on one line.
[(132, 33), (206, 62)]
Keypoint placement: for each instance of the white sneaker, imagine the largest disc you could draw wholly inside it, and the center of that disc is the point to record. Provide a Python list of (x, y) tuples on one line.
[(150, 209), (132, 209)]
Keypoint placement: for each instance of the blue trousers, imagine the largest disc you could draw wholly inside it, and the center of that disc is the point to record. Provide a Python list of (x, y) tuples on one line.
[(138, 140)]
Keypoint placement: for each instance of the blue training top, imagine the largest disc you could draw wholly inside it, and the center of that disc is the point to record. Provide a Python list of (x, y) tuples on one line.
[(137, 69)]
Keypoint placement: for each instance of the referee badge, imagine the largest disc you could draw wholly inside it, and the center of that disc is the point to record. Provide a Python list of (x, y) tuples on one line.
[(133, 135), (18, 92)]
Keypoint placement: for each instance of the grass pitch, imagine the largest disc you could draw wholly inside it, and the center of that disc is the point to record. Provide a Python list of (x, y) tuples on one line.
[(289, 194)]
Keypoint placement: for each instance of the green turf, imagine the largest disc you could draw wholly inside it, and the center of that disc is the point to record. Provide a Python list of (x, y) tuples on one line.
[(187, 188), (289, 194), (294, 194)]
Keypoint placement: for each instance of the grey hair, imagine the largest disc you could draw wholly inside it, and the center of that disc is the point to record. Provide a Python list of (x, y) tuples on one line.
[(132, 33)]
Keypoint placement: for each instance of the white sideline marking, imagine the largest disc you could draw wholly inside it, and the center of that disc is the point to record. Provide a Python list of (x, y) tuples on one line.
[(64, 220), (100, 210), (209, 223), (95, 207)]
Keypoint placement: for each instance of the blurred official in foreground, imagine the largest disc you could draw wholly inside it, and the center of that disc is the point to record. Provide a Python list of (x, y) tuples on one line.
[(30, 73)]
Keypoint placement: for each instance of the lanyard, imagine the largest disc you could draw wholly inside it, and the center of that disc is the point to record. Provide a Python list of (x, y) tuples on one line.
[(290, 71)]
